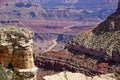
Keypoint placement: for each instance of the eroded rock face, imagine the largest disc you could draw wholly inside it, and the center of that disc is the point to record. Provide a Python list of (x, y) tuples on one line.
[(106, 45), (56, 61), (16, 51), (16, 47), (110, 24), (61, 60), (104, 40)]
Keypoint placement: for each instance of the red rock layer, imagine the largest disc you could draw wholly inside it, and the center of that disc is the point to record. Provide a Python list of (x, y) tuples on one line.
[(61, 61)]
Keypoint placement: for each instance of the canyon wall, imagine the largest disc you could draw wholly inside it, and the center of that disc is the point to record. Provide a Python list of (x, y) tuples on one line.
[(103, 40), (94, 52)]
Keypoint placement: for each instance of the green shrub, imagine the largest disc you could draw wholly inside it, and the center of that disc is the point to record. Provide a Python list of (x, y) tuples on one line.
[(6, 74)]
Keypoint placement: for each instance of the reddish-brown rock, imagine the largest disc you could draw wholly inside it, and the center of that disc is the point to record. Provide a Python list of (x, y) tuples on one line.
[(56, 61)]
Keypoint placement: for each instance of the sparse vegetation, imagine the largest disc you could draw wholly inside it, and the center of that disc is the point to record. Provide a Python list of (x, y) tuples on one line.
[(7, 74), (65, 75)]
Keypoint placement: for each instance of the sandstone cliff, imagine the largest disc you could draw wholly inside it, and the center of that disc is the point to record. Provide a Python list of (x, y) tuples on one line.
[(16, 47), (16, 51)]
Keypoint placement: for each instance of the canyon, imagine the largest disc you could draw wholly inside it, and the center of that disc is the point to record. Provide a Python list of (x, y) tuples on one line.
[(42, 16), (65, 18), (95, 51)]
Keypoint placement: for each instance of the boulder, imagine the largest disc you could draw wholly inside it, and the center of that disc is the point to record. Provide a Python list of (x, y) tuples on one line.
[(78, 76)]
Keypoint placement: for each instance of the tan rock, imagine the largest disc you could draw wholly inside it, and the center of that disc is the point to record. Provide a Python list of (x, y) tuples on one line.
[(26, 74), (5, 56), (66, 76), (104, 77), (78, 76), (23, 58), (16, 51), (16, 47)]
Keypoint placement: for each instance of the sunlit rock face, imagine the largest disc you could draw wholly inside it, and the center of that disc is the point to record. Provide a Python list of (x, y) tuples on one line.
[(16, 47), (16, 50), (78, 76)]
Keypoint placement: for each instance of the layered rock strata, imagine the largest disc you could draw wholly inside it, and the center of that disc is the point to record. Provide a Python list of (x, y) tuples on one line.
[(61, 60), (104, 40), (106, 45), (16, 50), (93, 52)]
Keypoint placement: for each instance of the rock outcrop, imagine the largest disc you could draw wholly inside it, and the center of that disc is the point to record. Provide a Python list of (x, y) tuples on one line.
[(56, 61), (103, 41), (16, 50), (78, 76), (61, 60), (111, 24), (106, 45)]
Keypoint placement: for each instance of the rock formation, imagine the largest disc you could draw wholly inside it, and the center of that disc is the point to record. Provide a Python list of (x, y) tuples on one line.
[(78, 76), (16, 50), (104, 40), (111, 24), (57, 61)]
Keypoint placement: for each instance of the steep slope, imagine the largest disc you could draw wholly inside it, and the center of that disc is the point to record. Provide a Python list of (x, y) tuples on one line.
[(102, 40), (111, 24)]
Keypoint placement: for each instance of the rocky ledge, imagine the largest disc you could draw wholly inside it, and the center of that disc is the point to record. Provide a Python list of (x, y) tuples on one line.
[(57, 61), (78, 76)]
